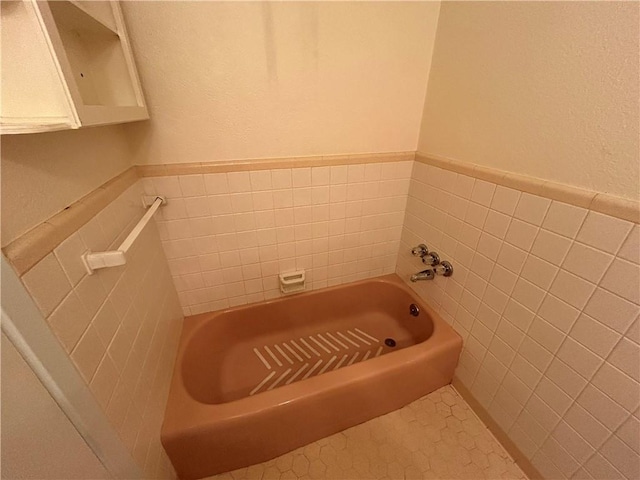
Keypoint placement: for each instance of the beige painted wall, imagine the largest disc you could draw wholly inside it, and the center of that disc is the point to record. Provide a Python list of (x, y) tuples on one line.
[(547, 89), (45, 172), (230, 80)]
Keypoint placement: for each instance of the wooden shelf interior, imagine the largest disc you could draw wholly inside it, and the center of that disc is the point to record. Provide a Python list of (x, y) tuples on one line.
[(100, 10), (96, 56)]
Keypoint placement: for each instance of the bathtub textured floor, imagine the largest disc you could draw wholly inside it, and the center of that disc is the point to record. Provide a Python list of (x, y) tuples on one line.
[(435, 437)]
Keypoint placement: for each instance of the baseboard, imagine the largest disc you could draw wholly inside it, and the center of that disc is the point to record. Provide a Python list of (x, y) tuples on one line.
[(523, 462)]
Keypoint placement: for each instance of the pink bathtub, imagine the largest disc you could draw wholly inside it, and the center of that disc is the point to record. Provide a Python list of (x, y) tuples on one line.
[(254, 382)]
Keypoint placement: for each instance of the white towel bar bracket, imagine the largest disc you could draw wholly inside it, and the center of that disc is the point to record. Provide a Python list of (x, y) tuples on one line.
[(114, 258)]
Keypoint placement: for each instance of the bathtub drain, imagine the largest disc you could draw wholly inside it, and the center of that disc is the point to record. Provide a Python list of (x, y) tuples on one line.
[(389, 342)]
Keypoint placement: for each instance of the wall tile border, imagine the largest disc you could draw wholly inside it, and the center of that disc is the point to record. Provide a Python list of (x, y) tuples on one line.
[(270, 164), (619, 207), (31, 247), (28, 249)]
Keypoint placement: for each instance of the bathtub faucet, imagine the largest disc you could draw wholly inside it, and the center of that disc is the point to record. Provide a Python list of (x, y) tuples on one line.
[(423, 275)]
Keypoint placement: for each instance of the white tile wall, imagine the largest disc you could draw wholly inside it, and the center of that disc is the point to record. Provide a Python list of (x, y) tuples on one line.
[(228, 235), (546, 296), (120, 326)]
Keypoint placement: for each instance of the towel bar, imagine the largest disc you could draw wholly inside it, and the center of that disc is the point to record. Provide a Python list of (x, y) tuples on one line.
[(115, 258)]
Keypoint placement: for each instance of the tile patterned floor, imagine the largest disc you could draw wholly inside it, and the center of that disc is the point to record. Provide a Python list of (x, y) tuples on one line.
[(435, 437)]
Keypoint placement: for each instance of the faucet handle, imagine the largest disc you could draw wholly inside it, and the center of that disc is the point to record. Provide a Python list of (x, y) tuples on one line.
[(432, 259), (445, 269), (420, 251)]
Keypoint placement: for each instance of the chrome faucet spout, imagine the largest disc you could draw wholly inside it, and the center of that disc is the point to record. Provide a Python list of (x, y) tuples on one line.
[(423, 275)]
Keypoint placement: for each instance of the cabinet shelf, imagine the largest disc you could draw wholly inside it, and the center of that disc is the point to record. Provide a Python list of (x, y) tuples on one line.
[(68, 65)]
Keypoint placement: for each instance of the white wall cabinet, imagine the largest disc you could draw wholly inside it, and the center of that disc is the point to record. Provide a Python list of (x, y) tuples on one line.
[(66, 64)]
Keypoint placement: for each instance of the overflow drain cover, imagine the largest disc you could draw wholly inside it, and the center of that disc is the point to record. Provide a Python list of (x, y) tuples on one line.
[(389, 342)]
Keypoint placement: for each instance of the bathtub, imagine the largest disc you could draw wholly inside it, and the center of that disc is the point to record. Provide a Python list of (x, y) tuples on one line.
[(254, 382)]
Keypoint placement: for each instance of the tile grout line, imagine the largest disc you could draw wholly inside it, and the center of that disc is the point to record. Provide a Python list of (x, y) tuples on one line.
[(611, 432), (510, 297), (554, 354), (546, 292)]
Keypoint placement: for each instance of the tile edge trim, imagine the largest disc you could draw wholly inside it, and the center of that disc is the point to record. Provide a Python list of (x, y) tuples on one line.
[(521, 460), (612, 205), (226, 166), (32, 246), (29, 248)]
